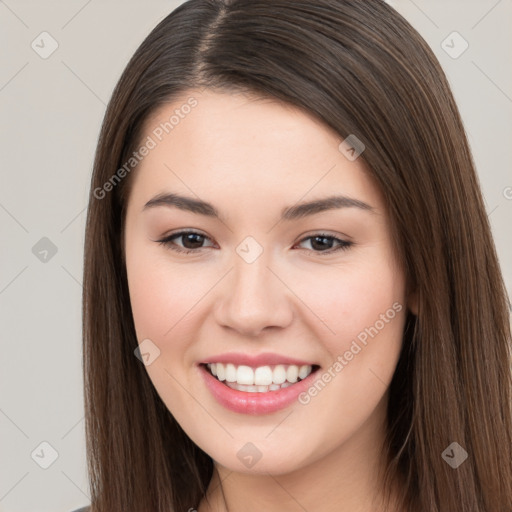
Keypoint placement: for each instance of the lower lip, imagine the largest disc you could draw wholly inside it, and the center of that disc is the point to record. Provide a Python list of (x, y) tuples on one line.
[(254, 403)]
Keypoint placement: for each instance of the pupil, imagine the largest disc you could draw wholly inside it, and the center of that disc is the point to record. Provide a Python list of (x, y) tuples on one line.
[(326, 243)]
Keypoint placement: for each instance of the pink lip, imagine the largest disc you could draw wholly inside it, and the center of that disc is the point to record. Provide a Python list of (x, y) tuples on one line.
[(255, 361), (254, 403)]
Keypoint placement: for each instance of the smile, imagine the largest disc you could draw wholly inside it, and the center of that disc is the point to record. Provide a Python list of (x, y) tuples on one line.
[(261, 379), (252, 388)]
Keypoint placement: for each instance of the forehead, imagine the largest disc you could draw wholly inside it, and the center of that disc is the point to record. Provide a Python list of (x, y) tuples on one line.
[(240, 144)]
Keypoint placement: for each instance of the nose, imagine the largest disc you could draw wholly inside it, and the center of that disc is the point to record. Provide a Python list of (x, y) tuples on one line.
[(253, 298)]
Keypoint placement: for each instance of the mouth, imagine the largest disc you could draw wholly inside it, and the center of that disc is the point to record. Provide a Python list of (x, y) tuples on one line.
[(256, 390), (260, 379)]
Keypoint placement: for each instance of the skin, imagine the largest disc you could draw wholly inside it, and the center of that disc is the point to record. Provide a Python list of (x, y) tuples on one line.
[(251, 158)]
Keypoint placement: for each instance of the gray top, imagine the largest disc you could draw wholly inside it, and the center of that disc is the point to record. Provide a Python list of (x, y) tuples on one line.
[(83, 509)]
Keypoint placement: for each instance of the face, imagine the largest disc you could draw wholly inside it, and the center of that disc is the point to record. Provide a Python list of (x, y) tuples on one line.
[(297, 308)]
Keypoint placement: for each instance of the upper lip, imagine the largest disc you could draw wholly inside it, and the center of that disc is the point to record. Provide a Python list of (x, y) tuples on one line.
[(264, 359)]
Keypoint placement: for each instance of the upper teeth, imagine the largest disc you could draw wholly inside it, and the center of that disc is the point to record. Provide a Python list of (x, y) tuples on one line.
[(260, 376)]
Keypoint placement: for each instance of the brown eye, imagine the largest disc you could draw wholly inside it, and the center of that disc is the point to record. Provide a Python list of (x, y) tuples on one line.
[(190, 241), (322, 243)]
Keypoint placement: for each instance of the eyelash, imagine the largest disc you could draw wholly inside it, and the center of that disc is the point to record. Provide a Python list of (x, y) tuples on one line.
[(168, 242)]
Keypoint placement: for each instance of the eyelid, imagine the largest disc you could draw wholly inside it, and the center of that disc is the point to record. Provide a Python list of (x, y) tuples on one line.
[(166, 240), (343, 244), (327, 233)]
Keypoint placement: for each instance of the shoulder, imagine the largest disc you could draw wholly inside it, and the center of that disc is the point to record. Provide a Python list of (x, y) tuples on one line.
[(83, 509)]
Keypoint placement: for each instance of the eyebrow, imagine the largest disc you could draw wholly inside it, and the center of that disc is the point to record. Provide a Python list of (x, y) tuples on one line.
[(294, 212)]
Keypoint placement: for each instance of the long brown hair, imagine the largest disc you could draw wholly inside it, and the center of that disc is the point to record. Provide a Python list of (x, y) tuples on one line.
[(361, 69)]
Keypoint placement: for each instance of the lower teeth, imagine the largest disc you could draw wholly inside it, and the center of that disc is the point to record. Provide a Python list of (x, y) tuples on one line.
[(256, 388)]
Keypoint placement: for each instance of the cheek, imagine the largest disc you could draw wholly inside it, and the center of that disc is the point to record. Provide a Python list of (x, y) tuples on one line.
[(162, 295), (362, 314), (164, 299), (353, 299), (365, 303), (365, 313)]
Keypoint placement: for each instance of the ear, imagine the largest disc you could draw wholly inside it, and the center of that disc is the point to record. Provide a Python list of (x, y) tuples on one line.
[(412, 302)]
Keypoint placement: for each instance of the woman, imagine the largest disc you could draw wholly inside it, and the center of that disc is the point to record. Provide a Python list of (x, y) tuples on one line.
[(292, 298)]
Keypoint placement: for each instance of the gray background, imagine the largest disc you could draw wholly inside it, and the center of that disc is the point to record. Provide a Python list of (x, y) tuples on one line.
[(51, 110)]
